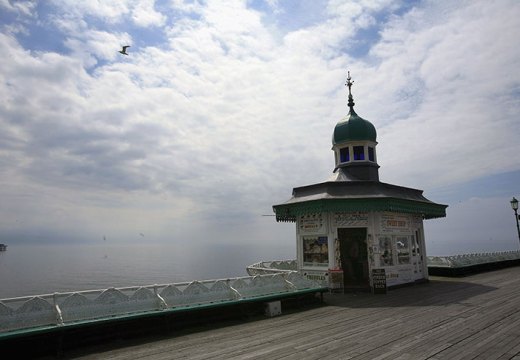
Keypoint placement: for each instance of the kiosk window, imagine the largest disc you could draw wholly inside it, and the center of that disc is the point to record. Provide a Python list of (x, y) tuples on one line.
[(417, 243), (315, 251), (385, 246), (403, 249)]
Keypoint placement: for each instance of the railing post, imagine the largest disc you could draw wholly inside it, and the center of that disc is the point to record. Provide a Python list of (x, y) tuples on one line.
[(161, 303), (57, 310), (236, 294)]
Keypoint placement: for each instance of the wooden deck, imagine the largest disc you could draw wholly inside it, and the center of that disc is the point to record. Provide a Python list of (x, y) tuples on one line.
[(475, 317)]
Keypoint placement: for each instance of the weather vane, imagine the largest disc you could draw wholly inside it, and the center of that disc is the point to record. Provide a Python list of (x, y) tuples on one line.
[(349, 85)]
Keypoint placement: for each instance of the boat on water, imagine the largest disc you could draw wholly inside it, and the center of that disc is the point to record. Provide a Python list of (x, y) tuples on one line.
[(3, 247)]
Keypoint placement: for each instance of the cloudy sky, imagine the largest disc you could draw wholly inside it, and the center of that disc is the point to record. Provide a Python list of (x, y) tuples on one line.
[(222, 107)]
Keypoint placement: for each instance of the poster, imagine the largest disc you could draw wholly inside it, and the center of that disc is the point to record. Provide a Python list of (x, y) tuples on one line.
[(386, 256), (315, 251)]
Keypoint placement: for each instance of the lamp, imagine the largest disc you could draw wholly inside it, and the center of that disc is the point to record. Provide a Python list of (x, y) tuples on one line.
[(514, 206)]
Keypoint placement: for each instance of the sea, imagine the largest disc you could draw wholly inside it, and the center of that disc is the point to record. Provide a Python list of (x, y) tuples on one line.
[(27, 270)]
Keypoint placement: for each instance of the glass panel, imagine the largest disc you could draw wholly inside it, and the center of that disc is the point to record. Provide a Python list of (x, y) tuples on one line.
[(417, 246), (370, 153), (315, 251), (359, 153), (344, 155), (403, 249), (385, 246)]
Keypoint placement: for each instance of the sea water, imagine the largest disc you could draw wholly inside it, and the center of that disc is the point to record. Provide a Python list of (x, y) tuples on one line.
[(43, 269)]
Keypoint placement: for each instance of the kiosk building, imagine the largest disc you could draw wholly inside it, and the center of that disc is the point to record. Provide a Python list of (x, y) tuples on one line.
[(352, 228)]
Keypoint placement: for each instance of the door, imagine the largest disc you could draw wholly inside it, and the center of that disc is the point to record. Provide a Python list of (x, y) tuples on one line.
[(354, 257)]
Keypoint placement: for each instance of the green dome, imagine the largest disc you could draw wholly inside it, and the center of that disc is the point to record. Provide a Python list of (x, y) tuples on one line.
[(353, 128)]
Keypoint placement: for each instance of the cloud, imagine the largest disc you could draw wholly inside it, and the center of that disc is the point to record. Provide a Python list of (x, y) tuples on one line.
[(231, 111), (144, 14), (93, 45), (108, 11), (445, 96), (24, 8)]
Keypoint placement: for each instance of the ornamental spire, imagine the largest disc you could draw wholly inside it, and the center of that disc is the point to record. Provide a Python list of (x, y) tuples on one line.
[(350, 98)]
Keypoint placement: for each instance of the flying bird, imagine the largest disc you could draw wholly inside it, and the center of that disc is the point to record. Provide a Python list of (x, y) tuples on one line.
[(123, 51)]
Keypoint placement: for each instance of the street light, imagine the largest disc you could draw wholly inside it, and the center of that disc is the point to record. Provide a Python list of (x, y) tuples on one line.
[(514, 206)]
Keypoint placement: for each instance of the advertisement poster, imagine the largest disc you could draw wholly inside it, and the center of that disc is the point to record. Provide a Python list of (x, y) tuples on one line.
[(386, 257), (315, 251)]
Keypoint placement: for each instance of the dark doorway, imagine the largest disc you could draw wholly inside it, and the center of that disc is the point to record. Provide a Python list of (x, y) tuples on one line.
[(354, 257)]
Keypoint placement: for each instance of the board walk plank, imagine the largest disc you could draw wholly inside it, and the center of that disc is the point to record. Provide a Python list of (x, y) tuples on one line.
[(448, 318)]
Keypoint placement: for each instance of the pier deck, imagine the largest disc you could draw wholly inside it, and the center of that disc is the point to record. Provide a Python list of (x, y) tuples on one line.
[(474, 317)]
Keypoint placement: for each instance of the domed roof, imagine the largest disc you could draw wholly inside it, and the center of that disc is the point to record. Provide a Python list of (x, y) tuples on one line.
[(353, 128)]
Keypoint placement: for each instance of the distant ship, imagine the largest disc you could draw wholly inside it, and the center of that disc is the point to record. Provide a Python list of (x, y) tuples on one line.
[(3, 247)]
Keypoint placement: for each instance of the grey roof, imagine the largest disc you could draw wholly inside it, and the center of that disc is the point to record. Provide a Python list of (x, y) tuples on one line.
[(354, 190), (343, 193)]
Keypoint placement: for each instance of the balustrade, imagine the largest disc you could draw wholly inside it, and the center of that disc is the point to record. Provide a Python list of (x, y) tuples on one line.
[(71, 307), (472, 259)]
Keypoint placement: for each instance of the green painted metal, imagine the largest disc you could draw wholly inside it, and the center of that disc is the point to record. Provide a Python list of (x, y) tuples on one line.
[(290, 212), (147, 314), (353, 128)]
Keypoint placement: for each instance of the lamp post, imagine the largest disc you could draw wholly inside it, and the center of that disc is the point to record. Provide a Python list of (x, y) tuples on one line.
[(514, 205)]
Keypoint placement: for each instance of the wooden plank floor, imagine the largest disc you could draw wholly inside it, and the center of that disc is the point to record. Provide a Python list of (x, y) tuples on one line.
[(475, 317)]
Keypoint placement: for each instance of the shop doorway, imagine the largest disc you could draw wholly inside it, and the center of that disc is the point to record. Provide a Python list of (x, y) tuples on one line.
[(354, 257)]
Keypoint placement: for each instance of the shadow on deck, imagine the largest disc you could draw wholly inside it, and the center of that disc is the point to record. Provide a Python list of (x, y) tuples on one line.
[(436, 292)]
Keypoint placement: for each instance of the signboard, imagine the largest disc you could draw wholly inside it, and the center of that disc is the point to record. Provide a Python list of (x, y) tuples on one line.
[(352, 219), (378, 281), (311, 223), (320, 277), (391, 223)]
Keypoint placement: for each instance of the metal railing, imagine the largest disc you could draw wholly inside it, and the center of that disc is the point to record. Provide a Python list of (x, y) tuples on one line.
[(272, 267), (63, 308), (280, 266), (456, 261)]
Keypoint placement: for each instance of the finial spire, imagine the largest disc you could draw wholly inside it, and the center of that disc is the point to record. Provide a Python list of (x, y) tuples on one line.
[(350, 98)]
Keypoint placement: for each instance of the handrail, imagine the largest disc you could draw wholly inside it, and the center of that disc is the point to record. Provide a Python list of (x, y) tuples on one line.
[(455, 261), (272, 267), (62, 308)]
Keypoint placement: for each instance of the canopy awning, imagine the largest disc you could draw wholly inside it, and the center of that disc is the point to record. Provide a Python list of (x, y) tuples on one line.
[(289, 212)]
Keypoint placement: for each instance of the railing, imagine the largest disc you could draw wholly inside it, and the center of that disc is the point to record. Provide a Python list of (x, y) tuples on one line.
[(271, 267), (60, 309), (457, 261), (267, 278), (281, 266)]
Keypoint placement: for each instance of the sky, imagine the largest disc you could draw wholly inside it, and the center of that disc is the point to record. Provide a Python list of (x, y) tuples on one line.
[(221, 107)]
